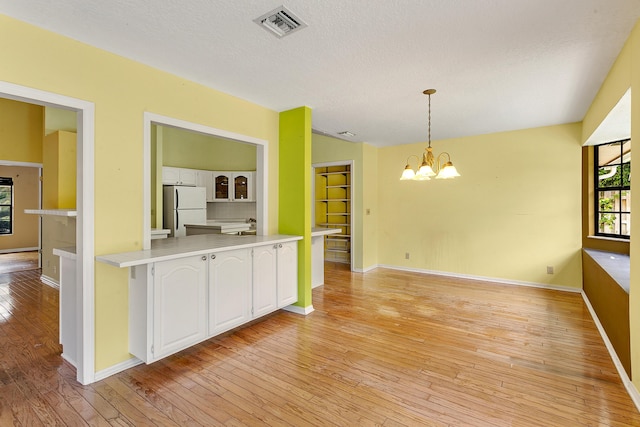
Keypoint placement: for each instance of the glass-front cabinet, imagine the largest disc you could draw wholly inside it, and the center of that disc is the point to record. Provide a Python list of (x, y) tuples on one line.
[(221, 186), (234, 186)]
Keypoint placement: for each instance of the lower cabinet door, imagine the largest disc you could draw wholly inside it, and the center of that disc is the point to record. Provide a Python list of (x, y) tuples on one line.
[(264, 280), (229, 290), (179, 301), (287, 270)]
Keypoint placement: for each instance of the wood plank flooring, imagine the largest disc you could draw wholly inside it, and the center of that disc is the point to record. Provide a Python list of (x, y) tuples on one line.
[(18, 261), (384, 348)]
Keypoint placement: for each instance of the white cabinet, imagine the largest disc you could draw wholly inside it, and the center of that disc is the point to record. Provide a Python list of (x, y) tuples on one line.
[(234, 186), (287, 273), (229, 290), (275, 277), (205, 179), (265, 287), (178, 176), (179, 301)]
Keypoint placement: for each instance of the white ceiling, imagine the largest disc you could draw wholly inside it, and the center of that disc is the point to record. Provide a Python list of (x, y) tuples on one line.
[(362, 65)]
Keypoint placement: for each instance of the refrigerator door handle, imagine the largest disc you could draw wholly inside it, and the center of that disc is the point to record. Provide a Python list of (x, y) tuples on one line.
[(176, 226), (177, 200)]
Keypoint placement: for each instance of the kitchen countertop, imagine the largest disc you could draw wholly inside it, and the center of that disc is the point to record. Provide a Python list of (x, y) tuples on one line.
[(221, 226), (178, 247), (321, 231), (54, 212)]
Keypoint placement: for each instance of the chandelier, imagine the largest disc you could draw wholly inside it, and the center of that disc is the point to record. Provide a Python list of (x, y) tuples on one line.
[(444, 169)]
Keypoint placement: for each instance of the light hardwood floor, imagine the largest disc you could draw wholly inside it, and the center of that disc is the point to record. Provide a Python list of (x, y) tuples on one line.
[(384, 348)]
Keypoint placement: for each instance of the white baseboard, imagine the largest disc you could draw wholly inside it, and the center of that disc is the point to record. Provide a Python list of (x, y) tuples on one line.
[(49, 281), (364, 270), (112, 370), (68, 359), (299, 310), (484, 278), (9, 251), (631, 389)]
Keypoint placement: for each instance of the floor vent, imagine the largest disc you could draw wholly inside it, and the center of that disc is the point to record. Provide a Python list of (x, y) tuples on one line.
[(280, 21)]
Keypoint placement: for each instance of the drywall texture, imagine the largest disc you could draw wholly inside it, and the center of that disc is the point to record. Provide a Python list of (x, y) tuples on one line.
[(611, 304), (21, 131), (122, 90), (514, 211)]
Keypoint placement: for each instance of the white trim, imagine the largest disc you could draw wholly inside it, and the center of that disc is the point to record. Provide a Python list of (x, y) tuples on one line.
[(262, 168), (49, 282), (10, 251), (484, 278), (20, 164), (631, 389), (366, 270), (85, 245), (299, 310), (112, 370)]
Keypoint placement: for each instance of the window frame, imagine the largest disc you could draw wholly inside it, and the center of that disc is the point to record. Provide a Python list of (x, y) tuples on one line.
[(619, 189), (8, 182)]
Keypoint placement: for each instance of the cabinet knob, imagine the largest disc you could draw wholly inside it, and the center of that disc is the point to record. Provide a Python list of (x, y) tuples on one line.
[(279, 245), (204, 257), (213, 257)]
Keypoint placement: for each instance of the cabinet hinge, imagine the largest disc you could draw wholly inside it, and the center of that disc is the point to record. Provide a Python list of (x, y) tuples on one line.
[(152, 349), (153, 271)]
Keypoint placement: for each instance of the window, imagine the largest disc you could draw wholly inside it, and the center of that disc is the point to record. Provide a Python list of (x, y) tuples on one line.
[(6, 205), (613, 189)]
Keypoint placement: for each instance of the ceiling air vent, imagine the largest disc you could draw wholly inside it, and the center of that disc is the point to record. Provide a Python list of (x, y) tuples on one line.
[(280, 21)]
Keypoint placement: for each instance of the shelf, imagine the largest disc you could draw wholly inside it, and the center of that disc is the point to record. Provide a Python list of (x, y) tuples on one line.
[(334, 173), (333, 186), (341, 251)]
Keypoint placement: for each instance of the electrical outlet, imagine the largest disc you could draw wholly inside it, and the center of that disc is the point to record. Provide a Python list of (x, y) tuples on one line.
[(55, 269), (549, 269), (406, 255)]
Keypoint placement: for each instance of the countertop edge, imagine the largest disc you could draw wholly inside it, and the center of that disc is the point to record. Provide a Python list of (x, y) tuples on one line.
[(199, 245)]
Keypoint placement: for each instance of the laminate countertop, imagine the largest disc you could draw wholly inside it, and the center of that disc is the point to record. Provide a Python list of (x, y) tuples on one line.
[(179, 247)]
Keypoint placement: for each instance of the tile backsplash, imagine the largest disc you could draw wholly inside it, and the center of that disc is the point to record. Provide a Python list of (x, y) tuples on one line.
[(222, 210)]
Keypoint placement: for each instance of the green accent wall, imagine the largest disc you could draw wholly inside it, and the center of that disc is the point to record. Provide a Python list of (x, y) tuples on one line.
[(294, 187)]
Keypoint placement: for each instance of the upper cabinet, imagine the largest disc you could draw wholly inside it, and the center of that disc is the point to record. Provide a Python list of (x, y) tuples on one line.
[(205, 179), (179, 176), (234, 186)]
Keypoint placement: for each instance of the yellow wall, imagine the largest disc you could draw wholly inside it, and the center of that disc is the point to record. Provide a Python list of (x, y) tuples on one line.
[(625, 74), (21, 130), (514, 211), (25, 196), (370, 212), (59, 170), (326, 149), (192, 150), (634, 294), (122, 91)]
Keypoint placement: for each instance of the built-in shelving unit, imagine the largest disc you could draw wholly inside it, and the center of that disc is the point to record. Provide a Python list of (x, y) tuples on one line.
[(333, 210)]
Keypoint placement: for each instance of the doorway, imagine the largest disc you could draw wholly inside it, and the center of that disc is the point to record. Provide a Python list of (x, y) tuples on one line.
[(85, 111)]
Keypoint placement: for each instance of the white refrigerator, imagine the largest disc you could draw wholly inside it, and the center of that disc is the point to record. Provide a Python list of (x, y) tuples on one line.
[(183, 205)]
